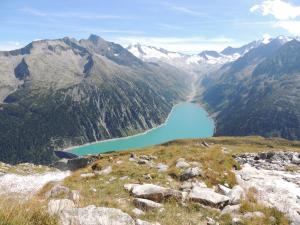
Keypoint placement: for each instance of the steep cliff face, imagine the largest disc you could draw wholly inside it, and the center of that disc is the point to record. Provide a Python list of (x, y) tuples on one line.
[(57, 93)]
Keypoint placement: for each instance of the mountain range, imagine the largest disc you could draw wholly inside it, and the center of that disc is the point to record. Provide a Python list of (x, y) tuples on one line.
[(65, 92)]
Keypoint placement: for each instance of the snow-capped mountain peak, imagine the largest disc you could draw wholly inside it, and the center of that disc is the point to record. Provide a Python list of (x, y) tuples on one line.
[(149, 52)]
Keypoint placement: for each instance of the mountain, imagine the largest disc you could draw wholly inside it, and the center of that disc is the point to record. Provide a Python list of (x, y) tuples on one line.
[(258, 93), (58, 93), (149, 53)]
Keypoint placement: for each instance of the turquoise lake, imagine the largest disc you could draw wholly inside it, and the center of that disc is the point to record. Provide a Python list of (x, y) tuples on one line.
[(186, 120)]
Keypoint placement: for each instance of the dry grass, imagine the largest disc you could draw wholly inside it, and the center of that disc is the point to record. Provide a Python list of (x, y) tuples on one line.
[(108, 190), (13, 212)]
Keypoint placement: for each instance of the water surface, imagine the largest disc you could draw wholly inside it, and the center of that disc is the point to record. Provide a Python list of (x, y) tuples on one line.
[(186, 120)]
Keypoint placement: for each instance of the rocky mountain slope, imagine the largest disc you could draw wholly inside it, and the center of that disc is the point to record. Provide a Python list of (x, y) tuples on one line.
[(259, 92), (57, 93), (249, 181)]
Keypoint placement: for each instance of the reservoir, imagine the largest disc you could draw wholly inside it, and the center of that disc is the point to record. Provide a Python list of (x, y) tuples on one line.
[(186, 120)]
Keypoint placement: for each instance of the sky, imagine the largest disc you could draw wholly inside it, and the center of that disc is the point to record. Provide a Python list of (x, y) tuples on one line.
[(188, 26)]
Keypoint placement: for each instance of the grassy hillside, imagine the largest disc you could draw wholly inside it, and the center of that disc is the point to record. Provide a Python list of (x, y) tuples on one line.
[(215, 155)]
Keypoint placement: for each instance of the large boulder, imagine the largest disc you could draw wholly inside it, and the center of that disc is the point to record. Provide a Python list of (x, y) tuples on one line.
[(92, 215), (208, 197), (155, 193), (55, 207), (146, 204)]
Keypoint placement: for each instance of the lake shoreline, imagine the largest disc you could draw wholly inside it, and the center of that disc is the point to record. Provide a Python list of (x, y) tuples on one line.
[(123, 138), (203, 127)]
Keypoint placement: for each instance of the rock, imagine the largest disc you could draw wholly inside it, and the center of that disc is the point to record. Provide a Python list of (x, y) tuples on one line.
[(61, 164), (236, 194), (105, 171), (57, 190), (236, 221), (78, 163), (208, 197), (190, 173), (129, 187), (57, 206), (211, 221), (205, 144), (162, 167), (223, 189), (296, 159), (93, 189), (87, 175), (188, 185), (124, 178), (155, 193), (145, 204), (231, 209), (92, 215), (250, 215), (141, 222), (181, 163), (111, 179), (74, 196), (147, 177), (138, 212)]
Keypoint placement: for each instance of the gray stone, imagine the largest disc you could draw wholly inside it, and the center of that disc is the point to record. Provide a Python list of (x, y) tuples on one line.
[(87, 175), (231, 209), (182, 164), (155, 193), (190, 173), (74, 196), (129, 187), (236, 221), (92, 215), (162, 167), (145, 204), (138, 212), (296, 159), (55, 207), (250, 215), (208, 197), (223, 189), (236, 194), (57, 190), (105, 171), (142, 222)]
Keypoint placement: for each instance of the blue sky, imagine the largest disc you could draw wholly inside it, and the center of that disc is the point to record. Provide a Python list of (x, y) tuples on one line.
[(177, 25)]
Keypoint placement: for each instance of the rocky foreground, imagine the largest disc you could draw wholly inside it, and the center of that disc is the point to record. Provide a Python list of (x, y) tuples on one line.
[(216, 181)]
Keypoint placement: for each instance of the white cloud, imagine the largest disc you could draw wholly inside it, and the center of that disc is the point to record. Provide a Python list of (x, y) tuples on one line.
[(292, 26), (10, 45), (280, 9), (182, 9), (184, 45)]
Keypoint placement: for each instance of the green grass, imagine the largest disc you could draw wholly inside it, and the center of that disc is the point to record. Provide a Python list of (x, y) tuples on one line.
[(214, 162)]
